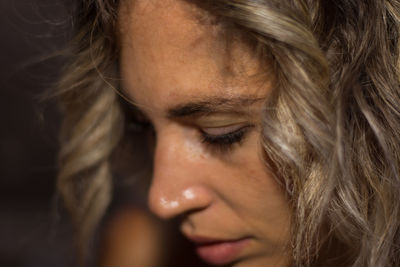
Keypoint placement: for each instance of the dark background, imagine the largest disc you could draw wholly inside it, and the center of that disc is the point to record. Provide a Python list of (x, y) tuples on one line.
[(32, 230)]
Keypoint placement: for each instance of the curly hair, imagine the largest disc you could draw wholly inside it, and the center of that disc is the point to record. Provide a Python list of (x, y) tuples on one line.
[(331, 127)]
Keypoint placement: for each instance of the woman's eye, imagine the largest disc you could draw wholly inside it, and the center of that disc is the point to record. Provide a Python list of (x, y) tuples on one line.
[(224, 138)]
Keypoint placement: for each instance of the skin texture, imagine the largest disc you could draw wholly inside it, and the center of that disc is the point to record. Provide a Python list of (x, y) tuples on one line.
[(169, 59)]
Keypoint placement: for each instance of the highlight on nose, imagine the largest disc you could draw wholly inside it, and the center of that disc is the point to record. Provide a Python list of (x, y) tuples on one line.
[(167, 204)]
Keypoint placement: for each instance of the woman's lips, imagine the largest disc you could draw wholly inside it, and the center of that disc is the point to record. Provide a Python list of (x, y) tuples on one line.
[(219, 252)]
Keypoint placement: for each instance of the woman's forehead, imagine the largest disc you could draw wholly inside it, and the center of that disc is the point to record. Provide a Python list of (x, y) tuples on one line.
[(157, 21), (167, 52)]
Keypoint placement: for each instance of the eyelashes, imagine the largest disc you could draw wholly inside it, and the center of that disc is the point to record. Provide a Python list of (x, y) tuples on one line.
[(225, 142), (219, 139)]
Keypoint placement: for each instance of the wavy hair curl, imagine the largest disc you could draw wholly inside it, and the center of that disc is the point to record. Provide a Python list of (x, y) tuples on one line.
[(331, 128)]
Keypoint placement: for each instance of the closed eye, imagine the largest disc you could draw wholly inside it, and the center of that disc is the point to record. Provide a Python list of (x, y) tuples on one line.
[(223, 138)]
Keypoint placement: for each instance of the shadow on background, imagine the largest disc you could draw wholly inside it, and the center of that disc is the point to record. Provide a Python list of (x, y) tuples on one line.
[(30, 232)]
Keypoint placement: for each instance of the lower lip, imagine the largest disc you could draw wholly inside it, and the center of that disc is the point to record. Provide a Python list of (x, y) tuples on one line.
[(221, 253)]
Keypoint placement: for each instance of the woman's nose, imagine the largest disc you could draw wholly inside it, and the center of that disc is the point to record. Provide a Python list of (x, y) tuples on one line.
[(177, 186)]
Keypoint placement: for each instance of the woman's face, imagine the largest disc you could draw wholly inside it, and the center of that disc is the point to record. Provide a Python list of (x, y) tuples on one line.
[(204, 95)]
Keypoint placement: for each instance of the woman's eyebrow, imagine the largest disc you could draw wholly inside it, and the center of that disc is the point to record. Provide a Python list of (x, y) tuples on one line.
[(235, 105)]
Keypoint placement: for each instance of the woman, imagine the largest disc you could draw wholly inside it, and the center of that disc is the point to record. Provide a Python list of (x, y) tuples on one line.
[(276, 124)]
